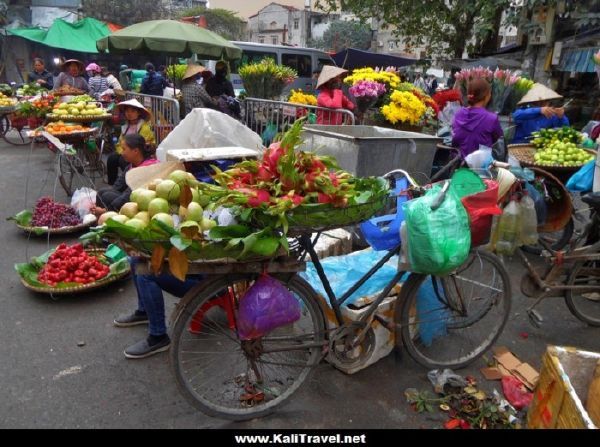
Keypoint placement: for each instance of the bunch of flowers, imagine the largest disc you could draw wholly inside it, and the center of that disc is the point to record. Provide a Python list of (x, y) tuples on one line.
[(367, 89), (389, 78), (299, 97), (404, 107), (468, 74), (266, 79), (445, 96)]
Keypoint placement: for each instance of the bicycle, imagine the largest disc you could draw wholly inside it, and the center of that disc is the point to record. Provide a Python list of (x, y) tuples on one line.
[(230, 378), (14, 130)]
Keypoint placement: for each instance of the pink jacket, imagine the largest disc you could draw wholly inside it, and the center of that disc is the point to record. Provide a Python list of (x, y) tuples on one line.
[(332, 99)]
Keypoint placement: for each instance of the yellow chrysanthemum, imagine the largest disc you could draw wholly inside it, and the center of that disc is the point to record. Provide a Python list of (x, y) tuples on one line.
[(299, 97), (404, 107)]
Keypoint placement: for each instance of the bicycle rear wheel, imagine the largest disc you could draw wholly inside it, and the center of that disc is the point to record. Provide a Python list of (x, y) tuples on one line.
[(228, 378), (585, 304), (12, 135), (557, 240), (451, 321), (71, 172)]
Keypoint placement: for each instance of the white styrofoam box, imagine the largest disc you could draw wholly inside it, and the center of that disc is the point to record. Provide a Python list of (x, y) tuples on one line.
[(210, 153)]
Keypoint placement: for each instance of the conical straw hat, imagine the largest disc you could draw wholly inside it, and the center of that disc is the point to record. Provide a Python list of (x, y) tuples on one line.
[(505, 180), (192, 70), (539, 92), (136, 104), (328, 73)]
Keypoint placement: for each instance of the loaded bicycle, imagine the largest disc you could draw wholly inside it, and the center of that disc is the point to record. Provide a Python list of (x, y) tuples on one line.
[(226, 376)]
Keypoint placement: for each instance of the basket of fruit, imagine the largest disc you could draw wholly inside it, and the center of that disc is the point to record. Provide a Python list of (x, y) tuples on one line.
[(50, 217), (7, 104), (71, 269), (68, 130), (81, 112), (67, 90)]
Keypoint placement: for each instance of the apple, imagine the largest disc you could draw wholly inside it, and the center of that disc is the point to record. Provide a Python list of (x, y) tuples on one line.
[(157, 206), (144, 197), (104, 217), (136, 223), (164, 218), (169, 190), (144, 216), (194, 212), (121, 218), (130, 209)]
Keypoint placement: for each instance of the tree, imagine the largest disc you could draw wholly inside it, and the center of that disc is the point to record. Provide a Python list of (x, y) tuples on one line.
[(443, 27), (221, 21), (123, 12), (344, 34)]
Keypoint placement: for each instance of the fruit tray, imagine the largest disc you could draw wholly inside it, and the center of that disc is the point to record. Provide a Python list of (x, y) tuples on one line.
[(525, 152), (8, 109), (78, 118), (67, 135), (119, 270)]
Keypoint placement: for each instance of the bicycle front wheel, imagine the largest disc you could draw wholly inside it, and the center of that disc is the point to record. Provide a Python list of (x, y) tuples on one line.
[(71, 172), (235, 379), (585, 304), (450, 321), (12, 135)]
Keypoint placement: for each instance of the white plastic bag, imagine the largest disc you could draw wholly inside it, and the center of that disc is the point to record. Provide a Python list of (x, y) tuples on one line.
[(83, 200), (480, 159)]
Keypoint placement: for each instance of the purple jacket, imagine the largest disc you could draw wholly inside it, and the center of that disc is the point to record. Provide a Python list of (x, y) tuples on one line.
[(473, 126)]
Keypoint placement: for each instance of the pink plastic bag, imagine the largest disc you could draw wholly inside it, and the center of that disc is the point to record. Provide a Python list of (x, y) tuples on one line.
[(265, 306), (515, 392)]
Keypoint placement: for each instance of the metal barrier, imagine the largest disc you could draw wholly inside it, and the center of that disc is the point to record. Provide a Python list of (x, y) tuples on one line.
[(165, 113), (266, 117)]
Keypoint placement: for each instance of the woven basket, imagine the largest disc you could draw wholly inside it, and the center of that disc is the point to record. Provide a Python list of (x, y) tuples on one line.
[(61, 230), (525, 153), (78, 119), (80, 288)]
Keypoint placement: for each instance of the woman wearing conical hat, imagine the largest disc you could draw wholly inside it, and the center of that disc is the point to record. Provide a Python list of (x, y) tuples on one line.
[(536, 113), (331, 96), (194, 94)]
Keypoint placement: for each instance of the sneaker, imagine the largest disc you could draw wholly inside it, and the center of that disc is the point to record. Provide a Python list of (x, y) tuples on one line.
[(131, 319), (143, 348)]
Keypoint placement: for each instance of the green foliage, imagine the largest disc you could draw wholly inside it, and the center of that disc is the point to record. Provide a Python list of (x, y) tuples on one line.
[(344, 34), (221, 21)]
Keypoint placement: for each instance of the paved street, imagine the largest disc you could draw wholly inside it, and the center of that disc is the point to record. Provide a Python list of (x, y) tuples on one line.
[(48, 381)]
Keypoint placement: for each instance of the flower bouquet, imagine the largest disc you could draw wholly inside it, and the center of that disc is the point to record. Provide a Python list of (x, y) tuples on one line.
[(389, 78), (266, 79), (405, 110), (299, 97), (367, 93)]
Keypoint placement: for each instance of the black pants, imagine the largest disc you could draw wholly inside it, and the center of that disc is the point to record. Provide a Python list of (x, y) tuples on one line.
[(113, 163)]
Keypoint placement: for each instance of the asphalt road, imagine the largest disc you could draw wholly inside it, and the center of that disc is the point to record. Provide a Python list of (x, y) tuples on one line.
[(48, 381)]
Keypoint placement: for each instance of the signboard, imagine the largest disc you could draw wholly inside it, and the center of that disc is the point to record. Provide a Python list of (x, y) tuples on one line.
[(289, 111), (542, 22)]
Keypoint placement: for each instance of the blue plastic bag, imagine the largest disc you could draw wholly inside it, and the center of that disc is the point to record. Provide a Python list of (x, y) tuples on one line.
[(582, 180), (267, 305), (431, 313)]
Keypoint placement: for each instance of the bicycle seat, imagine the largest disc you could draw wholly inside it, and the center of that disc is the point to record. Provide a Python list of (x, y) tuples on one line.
[(592, 199)]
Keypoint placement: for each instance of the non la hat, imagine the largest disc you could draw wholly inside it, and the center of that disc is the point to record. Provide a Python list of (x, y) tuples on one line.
[(539, 92), (68, 61), (136, 104), (192, 70), (328, 73)]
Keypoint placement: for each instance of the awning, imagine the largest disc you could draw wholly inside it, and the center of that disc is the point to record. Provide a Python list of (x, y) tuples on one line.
[(578, 60), (351, 58), (79, 36)]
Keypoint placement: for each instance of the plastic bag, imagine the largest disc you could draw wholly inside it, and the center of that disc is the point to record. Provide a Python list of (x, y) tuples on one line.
[(267, 305), (516, 393), (480, 159), (439, 240), (481, 207), (440, 378), (269, 133), (83, 200), (432, 315), (582, 180)]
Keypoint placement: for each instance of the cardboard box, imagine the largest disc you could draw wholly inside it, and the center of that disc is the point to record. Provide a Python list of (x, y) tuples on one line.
[(509, 365), (558, 400)]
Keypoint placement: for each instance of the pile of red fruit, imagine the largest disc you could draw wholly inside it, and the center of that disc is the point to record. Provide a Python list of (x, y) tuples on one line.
[(72, 265), (51, 214)]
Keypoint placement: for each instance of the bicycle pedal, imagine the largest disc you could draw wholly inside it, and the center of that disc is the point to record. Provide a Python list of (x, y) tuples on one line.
[(535, 318)]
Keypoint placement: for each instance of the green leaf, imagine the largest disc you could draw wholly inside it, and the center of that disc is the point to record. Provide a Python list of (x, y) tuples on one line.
[(22, 218), (179, 242), (265, 245), (162, 228), (121, 229), (229, 232), (233, 243), (248, 242), (29, 273)]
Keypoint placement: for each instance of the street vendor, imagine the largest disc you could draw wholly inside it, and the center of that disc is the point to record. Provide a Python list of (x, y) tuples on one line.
[(331, 96), (136, 152), (40, 75), (97, 82), (137, 121), (194, 94), (72, 75), (474, 125), (537, 113)]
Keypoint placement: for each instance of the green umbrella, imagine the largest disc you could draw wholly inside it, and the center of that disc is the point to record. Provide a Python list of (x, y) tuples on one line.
[(169, 37)]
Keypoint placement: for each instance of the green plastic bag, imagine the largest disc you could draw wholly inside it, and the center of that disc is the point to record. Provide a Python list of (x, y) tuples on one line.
[(438, 240)]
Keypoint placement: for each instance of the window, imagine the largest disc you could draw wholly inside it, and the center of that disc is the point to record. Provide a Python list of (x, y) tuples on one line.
[(324, 62), (296, 23), (250, 57), (261, 40), (274, 40), (299, 62)]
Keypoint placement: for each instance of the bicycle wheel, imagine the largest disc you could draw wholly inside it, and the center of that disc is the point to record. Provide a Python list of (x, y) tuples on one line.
[(12, 135), (585, 304), (557, 240), (453, 324), (228, 378), (71, 172)]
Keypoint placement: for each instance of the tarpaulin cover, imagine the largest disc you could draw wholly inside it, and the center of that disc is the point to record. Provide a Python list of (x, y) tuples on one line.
[(578, 60), (79, 36), (351, 58)]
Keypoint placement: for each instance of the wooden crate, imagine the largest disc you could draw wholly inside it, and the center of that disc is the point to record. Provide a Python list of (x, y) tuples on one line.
[(562, 390)]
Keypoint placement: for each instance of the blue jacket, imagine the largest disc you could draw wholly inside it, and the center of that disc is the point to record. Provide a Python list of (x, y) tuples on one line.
[(153, 84), (530, 120)]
